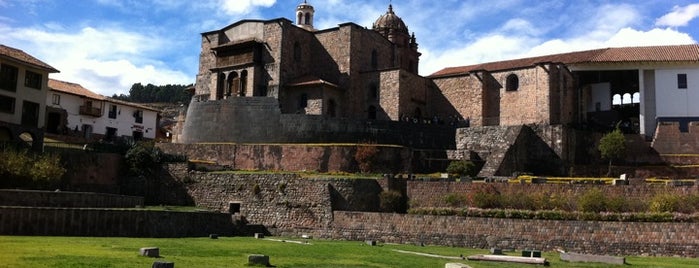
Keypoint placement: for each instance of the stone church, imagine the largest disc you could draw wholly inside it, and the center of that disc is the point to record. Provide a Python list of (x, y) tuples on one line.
[(278, 81)]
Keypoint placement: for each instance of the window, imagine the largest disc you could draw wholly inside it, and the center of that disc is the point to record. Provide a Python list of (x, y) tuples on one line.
[(374, 59), (112, 111), (56, 99), (32, 80), (138, 116), (512, 83), (332, 108), (681, 80), (7, 104), (30, 114), (8, 77)]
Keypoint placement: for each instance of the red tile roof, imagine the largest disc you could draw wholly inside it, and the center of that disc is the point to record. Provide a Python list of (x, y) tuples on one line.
[(73, 88), (676, 53), (23, 57)]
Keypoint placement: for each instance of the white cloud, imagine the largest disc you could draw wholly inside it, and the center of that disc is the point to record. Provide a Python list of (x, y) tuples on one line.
[(104, 60), (235, 7), (680, 16)]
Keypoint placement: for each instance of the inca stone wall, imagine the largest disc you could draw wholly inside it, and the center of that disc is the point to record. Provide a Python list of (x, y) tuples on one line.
[(605, 238), (669, 139), (29, 198)]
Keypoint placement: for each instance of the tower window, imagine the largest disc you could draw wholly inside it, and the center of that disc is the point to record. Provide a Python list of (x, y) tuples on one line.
[(512, 82), (681, 80)]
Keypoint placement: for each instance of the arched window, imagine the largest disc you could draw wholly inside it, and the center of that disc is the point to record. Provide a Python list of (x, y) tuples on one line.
[(297, 52), (299, 18), (626, 98), (512, 83), (636, 98), (308, 19), (331, 108), (616, 99), (233, 84), (372, 112), (243, 82), (374, 59)]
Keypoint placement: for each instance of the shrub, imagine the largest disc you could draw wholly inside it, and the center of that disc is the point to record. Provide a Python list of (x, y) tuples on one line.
[(391, 201), (20, 168), (455, 199), (592, 201), (256, 189), (366, 156), (47, 168), (462, 168), (664, 202), (142, 158), (612, 146), (486, 196)]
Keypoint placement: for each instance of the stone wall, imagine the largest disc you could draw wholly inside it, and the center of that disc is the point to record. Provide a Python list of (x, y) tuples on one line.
[(669, 139), (111, 222), (29, 198), (607, 238)]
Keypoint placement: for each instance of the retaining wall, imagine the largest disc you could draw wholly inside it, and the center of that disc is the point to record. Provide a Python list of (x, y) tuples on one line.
[(111, 222), (608, 238), (29, 198)]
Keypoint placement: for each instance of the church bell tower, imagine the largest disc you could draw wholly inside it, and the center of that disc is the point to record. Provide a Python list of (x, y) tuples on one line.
[(304, 16)]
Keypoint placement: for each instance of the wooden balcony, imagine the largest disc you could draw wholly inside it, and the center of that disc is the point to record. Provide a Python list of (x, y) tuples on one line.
[(91, 111)]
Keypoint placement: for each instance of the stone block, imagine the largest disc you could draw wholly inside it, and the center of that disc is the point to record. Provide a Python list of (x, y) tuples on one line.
[(258, 259), (576, 257), (163, 264), (259, 235), (213, 236), (496, 251), (371, 242), (152, 252), (620, 182), (531, 253)]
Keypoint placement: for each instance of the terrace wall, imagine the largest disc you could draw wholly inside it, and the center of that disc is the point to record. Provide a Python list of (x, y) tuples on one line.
[(29, 198)]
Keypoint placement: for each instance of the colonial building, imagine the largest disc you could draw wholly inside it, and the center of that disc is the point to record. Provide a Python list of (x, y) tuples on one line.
[(23, 87), (77, 111)]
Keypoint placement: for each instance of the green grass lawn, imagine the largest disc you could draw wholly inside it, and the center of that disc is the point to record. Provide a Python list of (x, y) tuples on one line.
[(23, 251)]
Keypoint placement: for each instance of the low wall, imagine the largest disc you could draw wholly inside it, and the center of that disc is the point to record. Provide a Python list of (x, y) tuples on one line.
[(111, 222), (290, 157), (608, 238), (432, 194), (29, 198)]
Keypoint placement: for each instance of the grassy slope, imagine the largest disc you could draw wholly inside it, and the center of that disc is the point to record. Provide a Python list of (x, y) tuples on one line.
[(21, 251)]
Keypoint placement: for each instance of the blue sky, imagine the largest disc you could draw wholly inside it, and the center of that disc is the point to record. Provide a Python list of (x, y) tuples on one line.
[(107, 45)]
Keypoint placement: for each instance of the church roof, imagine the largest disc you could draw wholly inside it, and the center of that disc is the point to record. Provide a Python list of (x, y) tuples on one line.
[(390, 21), (672, 53), (21, 56)]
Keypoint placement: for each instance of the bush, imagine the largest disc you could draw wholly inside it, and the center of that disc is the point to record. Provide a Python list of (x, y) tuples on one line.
[(391, 201), (143, 158), (462, 168), (592, 201), (21, 168), (455, 200), (366, 156), (665, 202)]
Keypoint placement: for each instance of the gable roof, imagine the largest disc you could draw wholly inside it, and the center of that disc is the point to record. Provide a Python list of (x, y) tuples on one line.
[(73, 88), (23, 57), (77, 89), (675, 53)]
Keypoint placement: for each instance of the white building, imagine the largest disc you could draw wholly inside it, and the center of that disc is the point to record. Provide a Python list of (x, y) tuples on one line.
[(75, 110), (23, 87)]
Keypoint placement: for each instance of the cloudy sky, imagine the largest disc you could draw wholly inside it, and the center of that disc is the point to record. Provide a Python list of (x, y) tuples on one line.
[(107, 45)]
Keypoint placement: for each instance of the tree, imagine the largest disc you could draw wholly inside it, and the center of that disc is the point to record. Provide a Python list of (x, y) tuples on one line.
[(612, 146)]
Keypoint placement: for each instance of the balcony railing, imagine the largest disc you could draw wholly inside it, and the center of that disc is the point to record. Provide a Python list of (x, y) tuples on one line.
[(91, 111)]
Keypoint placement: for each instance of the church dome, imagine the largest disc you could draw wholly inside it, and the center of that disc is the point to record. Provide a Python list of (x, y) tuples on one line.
[(390, 21)]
